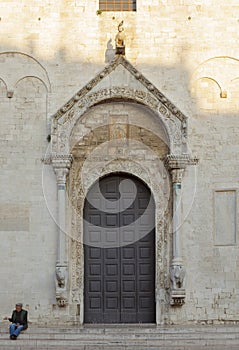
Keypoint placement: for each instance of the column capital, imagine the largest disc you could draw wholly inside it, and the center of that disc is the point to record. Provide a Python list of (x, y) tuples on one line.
[(177, 175), (61, 160), (176, 164), (61, 174), (61, 165)]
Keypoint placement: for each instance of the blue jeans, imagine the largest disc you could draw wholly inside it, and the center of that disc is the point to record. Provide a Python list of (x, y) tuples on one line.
[(15, 330)]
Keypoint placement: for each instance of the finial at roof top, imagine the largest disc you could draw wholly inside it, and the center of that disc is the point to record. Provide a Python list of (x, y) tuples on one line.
[(120, 40)]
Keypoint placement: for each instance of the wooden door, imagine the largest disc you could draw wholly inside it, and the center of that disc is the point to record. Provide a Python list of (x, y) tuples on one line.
[(119, 266)]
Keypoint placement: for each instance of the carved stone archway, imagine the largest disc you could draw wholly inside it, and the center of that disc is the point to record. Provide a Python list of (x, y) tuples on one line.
[(65, 123), (162, 261)]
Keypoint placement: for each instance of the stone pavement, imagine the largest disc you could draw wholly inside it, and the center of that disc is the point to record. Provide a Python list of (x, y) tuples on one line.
[(124, 337)]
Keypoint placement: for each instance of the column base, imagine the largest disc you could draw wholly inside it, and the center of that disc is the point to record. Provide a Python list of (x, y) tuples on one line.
[(61, 299), (177, 297)]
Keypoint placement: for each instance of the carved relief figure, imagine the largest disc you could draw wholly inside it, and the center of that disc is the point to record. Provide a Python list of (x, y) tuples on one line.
[(61, 282), (178, 276), (60, 277), (118, 131)]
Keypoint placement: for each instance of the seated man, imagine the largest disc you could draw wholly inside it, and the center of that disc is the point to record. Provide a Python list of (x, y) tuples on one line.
[(19, 321)]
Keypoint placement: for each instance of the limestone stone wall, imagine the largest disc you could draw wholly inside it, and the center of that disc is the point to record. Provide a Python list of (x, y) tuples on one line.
[(189, 51)]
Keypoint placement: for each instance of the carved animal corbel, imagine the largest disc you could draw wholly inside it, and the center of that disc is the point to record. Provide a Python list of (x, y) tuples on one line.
[(177, 276), (61, 286), (60, 277)]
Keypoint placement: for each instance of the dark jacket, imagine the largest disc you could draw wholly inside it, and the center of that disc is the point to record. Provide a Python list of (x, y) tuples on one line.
[(23, 318)]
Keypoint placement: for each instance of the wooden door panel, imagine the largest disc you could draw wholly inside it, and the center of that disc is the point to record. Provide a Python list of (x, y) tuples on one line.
[(119, 281)]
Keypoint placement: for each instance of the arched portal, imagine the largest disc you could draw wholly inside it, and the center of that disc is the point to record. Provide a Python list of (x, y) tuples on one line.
[(105, 128), (119, 251)]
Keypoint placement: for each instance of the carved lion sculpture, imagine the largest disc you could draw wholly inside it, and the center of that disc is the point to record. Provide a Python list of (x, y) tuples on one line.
[(61, 300), (178, 276), (60, 277)]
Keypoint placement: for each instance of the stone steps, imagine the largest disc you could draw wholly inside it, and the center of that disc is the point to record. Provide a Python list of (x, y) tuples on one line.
[(127, 337)]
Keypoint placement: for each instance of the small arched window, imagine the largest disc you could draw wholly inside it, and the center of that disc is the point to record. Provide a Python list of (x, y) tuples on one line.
[(117, 5)]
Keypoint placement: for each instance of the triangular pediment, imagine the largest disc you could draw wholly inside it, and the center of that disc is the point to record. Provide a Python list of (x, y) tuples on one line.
[(120, 81), (121, 74)]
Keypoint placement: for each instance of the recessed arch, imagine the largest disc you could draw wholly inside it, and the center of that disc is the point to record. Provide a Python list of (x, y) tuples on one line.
[(34, 78), (24, 65), (120, 112)]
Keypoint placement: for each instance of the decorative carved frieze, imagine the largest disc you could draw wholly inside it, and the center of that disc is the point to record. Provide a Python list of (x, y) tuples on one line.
[(120, 60), (181, 161), (58, 159), (62, 127)]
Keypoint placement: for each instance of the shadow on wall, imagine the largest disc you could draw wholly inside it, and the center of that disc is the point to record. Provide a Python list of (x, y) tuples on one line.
[(16, 65), (212, 88), (109, 52)]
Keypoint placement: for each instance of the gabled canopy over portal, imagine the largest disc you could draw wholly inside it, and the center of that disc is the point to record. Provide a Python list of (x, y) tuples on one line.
[(119, 81)]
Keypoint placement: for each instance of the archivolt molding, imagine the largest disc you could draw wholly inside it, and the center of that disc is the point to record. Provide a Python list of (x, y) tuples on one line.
[(120, 60), (128, 166), (176, 129), (77, 194)]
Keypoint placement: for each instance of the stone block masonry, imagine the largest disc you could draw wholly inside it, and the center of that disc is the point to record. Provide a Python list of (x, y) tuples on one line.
[(48, 52)]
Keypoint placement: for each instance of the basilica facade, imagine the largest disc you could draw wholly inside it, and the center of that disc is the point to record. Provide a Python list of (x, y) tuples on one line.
[(120, 161)]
